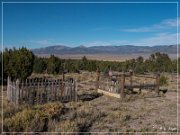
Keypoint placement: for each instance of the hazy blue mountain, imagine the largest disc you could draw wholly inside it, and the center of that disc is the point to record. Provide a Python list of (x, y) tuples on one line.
[(123, 49)]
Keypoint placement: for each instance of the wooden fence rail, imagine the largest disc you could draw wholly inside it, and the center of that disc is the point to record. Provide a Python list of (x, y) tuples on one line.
[(39, 91), (119, 86)]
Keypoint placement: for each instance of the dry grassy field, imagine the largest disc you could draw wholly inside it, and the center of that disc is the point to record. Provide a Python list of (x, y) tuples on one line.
[(105, 57), (94, 112)]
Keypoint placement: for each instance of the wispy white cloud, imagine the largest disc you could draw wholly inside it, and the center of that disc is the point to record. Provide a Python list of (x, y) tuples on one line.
[(105, 43), (26, 43), (170, 22), (40, 42), (32, 43), (44, 42), (157, 39), (165, 24)]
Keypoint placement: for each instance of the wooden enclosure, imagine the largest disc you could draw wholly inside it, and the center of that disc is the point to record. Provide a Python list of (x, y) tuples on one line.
[(116, 87), (39, 91)]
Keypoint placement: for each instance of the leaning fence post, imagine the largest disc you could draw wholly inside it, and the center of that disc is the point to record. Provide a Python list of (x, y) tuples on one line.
[(157, 83), (17, 91), (97, 79), (122, 85)]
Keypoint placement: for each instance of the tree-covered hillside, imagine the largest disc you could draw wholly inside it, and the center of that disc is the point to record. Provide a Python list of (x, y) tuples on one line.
[(20, 63)]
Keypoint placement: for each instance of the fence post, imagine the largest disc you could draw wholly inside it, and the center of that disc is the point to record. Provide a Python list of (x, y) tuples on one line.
[(122, 85), (42, 83), (131, 81), (26, 92), (17, 91), (37, 94), (97, 79), (8, 89), (33, 89), (75, 91), (157, 83)]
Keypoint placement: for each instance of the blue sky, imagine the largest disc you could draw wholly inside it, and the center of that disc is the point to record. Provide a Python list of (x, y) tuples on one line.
[(40, 25)]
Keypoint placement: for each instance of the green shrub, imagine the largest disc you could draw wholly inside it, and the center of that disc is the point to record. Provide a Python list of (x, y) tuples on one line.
[(18, 63)]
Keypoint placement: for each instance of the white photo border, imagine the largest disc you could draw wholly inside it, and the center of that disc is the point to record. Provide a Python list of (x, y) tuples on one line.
[(2, 47)]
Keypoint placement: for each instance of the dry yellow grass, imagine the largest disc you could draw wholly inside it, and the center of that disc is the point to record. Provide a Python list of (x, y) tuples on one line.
[(138, 113)]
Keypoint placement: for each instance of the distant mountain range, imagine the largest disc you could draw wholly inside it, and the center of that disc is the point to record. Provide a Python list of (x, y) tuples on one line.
[(123, 49)]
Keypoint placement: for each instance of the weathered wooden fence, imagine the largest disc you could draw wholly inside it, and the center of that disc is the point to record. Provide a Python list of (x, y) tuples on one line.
[(119, 84), (108, 85), (39, 91)]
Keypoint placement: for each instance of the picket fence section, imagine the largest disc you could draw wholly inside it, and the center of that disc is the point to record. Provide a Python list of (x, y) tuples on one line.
[(118, 83), (109, 85), (39, 91)]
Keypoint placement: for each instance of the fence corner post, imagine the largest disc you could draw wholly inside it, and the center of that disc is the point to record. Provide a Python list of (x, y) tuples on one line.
[(17, 91), (122, 94)]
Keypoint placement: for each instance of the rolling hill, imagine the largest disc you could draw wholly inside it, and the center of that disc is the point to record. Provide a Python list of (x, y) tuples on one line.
[(116, 50)]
